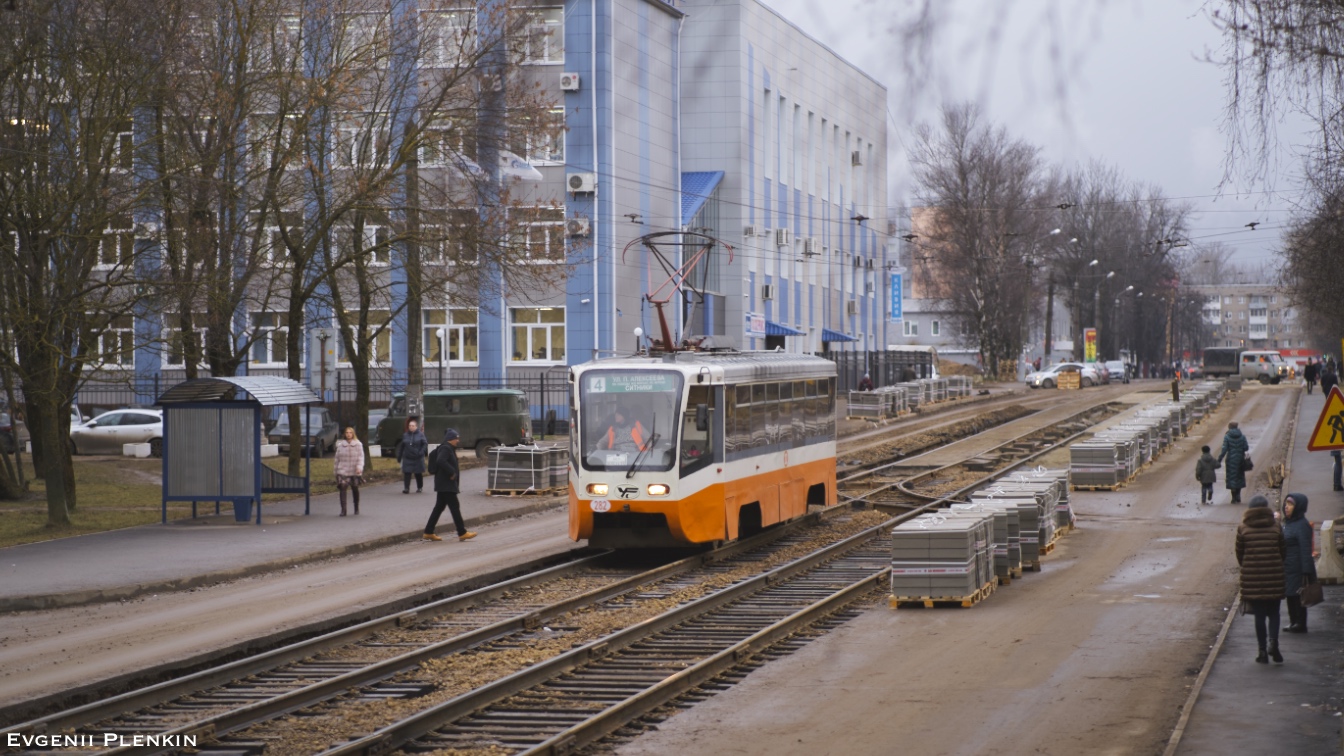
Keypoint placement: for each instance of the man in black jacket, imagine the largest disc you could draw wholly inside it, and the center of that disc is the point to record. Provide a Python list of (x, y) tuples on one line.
[(443, 466)]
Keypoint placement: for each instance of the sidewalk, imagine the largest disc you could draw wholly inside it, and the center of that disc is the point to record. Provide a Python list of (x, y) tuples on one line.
[(121, 564), (1292, 707)]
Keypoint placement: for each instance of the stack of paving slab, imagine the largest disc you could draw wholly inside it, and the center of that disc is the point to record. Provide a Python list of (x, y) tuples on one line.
[(1006, 545), (958, 386), (864, 405), (1094, 463), (559, 465), (914, 393), (941, 558), (1128, 456), (521, 469), (1146, 433), (1036, 526)]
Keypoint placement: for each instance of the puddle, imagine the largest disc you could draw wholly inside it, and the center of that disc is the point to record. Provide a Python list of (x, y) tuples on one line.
[(1172, 539)]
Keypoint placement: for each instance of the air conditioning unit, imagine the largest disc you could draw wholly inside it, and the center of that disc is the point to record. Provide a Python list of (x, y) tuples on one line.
[(768, 291), (868, 263), (577, 226), (858, 261), (856, 158), (868, 288), (749, 232), (783, 237), (810, 247), (851, 307), (580, 183), (569, 82)]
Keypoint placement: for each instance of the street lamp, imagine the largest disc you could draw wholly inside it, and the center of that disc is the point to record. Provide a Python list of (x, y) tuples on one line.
[(1096, 303), (441, 334)]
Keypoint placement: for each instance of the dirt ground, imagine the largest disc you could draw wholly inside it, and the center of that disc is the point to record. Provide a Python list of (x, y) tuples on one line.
[(1092, 655)]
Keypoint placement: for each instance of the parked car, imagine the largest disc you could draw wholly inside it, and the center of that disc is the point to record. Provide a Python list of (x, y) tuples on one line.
[(1049, 377), (11, 429), (1117, 370), (375, 416), (107, 433), (319, 439)]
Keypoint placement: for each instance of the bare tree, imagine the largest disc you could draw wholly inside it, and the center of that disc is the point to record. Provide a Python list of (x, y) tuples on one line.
[(72, 75), (985, 191)]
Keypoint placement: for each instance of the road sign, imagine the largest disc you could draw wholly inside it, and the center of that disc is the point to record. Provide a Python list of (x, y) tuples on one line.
[(897, 304), (1329, 432)]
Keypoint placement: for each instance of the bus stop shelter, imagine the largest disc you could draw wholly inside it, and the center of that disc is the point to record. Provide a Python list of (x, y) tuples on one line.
[(212, 434)]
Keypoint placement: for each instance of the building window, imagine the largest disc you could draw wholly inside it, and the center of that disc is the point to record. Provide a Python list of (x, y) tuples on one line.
[(116, 248), (364, 38), (450, 336), (910, 327), (123, 146), (379, 334), (545, 40), (543, 230), (274, 250), (935, 328), (375, 243), (446, 37), (361, 141), (538, 334), (452, 242), (116, 344), (177, 339), (269, 330), (542, 142), (446, 141)]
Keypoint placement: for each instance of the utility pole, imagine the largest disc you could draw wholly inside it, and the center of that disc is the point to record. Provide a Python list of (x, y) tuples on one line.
[(415, 380), (1049, 317)]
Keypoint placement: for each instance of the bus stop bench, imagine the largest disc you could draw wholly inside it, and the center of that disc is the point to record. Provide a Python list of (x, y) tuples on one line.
[(274, 481)]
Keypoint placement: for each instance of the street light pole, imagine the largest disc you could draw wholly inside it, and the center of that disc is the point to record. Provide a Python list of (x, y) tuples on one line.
[(1096, 305), (441, 347)]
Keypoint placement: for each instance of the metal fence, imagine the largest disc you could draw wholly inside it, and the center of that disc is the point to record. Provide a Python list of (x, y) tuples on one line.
[(885, 368), (547, 394)]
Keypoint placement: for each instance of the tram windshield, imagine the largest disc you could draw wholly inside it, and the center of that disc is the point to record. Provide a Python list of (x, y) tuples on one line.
[(629, 419)]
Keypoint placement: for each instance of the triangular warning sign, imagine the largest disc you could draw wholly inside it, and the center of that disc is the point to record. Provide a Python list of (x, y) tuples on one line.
[(1329, 432)]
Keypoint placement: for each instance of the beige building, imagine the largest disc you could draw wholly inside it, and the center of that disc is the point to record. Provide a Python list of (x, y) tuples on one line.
[(1253, 316)]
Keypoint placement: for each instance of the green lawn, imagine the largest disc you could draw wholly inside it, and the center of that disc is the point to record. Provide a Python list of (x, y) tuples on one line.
[(119, 492)]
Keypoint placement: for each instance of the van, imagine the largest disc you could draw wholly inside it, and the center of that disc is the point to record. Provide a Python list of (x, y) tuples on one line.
[(1266, 366), (484, 418), (1222, 361)]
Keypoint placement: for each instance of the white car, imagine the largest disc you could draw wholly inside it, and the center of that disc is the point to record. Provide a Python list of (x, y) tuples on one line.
[(1118, 372), (1049, 377), (106, 433)]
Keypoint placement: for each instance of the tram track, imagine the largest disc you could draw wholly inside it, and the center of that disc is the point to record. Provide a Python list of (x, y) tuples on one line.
[(390, 659)]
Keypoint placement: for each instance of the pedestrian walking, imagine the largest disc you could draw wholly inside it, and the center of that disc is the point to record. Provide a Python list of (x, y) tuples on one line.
[(1328, 377), (411, 452), (349, 467), (443, 465), (1235, 449), (1311, 373), (1260, 553), (1299, 567), (1206, 472)]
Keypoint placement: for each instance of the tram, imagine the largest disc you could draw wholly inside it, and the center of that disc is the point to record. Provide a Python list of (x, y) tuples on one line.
[(690, 447)]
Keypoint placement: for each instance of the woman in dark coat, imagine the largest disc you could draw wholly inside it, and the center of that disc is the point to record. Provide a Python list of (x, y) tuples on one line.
[(1299, 568), (1260, 551), (411, 452), (1235, 448)]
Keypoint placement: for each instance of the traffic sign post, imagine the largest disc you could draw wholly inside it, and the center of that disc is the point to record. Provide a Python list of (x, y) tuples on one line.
[(1329, 432)]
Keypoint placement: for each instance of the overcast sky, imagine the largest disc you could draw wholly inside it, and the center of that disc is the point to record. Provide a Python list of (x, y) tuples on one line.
[(1121, 81)]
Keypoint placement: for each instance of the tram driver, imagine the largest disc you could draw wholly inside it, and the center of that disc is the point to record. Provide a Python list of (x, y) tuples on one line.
[(623, 430)]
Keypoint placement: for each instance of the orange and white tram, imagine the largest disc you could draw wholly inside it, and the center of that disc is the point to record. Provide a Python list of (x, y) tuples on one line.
[(692, 448)]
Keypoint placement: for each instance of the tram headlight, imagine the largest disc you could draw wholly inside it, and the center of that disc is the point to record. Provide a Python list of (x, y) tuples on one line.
[(597, 489), (658, 489)]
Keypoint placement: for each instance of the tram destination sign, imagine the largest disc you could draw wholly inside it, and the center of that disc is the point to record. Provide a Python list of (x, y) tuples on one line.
[(631, 383)]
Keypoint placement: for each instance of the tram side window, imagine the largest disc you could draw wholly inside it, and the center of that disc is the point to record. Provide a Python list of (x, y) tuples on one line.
[(810, 409), (829, 403), (771, 414), (742, 419), (786, 410), (697, 445), (758, 430)]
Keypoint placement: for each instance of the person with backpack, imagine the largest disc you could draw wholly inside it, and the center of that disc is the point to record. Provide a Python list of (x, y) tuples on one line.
[(443, 465)]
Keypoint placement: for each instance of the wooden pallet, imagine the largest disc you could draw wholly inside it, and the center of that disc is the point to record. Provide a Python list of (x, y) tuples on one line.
[(525, 492), (1033, 566), (1115, 487), (928, 602), (1049, 547)]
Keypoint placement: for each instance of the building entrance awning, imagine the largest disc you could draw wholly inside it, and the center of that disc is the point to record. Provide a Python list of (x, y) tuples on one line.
[(833, 336), (775, 329)]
